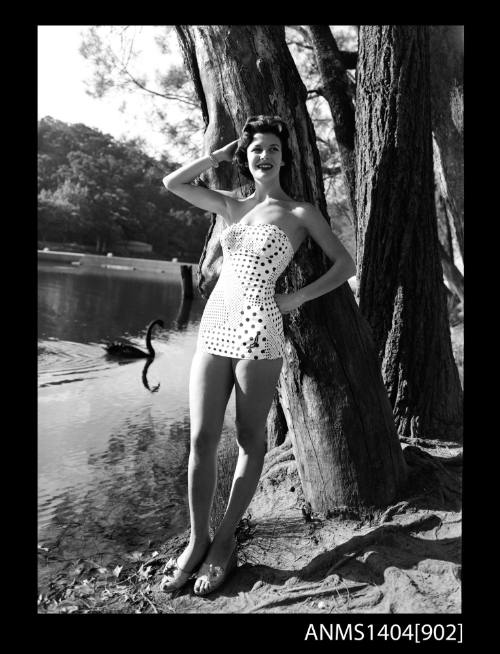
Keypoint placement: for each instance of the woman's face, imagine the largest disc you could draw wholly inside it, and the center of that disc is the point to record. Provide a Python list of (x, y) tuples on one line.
[(264, 156)]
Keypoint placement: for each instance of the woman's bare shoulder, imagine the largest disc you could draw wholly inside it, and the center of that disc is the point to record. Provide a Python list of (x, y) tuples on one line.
[(302, 209), (237, 207)]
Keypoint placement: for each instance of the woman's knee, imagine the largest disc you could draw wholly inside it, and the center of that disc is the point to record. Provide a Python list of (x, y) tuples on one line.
[(251, 438), (204, 442)]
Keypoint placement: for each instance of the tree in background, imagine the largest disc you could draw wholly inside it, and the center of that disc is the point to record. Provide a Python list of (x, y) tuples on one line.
[(401, 291), (331, 391), (96, 190), (336, 88), (62, 212)]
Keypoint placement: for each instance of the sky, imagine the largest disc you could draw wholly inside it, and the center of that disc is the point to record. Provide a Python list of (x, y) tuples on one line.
[(62, 76)]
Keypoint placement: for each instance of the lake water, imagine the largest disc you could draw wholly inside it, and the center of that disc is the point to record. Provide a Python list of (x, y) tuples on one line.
[(112, 456)]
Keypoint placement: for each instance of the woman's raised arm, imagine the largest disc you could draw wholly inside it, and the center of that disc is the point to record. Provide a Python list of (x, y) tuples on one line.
[(180, 181)]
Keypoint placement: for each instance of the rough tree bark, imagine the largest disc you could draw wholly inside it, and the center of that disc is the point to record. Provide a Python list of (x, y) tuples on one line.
[(334, 83), (401, 290), (331, 390), (447, 104)]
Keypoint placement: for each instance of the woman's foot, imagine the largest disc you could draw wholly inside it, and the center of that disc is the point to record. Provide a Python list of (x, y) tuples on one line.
[(219, 562), (178, 571)]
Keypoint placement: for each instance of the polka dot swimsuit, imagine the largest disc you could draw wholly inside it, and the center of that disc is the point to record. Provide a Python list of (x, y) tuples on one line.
[(241, 318)]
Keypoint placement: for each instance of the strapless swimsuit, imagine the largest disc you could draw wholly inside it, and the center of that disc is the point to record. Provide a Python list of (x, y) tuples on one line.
[(241, 318)]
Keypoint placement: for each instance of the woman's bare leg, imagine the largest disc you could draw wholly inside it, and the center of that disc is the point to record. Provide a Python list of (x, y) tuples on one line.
[(210, 385), (255, 383)]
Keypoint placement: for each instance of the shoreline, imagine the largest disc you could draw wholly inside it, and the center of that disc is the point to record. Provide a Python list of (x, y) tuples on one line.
[(112, 263)]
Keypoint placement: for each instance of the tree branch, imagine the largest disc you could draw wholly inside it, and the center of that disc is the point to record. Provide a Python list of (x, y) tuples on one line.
[(349, 59), (335, 82), (167, 96)]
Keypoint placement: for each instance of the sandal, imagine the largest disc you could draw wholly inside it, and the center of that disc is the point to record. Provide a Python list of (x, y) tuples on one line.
[(174, 577), (178, 576), (214, 575)]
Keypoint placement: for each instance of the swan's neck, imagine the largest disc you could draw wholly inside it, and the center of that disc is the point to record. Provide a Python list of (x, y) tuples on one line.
[(148, 340)]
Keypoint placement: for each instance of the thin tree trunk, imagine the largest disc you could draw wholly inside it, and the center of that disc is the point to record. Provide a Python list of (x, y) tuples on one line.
[(452, 274), (400, 280), (331, 390), (446, 213), (335, 89), (447, 103), (448, 242), (448, 245)]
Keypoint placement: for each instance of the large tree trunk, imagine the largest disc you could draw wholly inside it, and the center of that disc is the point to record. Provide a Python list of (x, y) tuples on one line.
[(447, 103), (334, 84), (401, 290), (331, 390)]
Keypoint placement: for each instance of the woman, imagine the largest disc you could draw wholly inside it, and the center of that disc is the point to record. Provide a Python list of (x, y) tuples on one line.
[(240, 340)]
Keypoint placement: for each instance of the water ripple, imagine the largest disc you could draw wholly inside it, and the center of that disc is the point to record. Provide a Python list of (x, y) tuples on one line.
[(71, 361)]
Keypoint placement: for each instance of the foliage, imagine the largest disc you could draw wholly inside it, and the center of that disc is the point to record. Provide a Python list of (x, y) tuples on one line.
[(96, 190), (121, 65)]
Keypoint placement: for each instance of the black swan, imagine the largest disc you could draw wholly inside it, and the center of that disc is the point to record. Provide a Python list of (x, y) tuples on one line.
[(130, 351)]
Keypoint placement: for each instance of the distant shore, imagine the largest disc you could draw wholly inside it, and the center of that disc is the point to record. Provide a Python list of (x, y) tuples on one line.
[(112, 262)]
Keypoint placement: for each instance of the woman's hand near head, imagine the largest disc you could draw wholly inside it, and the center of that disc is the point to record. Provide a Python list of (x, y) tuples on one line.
[(226, 153), (180, 182)]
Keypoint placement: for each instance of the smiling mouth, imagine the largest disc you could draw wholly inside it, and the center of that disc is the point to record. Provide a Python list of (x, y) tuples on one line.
[(264, 166)]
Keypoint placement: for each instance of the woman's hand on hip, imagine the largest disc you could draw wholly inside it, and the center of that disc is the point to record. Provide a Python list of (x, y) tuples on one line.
[(288, 302)]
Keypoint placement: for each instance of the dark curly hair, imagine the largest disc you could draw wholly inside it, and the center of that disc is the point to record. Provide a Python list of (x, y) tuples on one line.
[(262, 125)]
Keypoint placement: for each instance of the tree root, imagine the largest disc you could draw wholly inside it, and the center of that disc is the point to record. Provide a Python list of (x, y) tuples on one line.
[(433, 482), (358, 544), (393, 510), (283, 452), (423, 442), (292, 597)]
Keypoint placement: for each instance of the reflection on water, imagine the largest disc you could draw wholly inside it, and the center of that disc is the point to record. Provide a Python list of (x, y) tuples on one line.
[(95, 305), (112, 456)]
